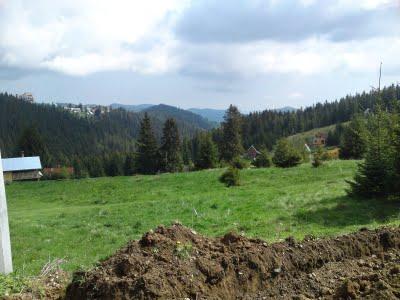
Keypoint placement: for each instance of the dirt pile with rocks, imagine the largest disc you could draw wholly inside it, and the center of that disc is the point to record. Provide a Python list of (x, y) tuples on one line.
[(177, 263)]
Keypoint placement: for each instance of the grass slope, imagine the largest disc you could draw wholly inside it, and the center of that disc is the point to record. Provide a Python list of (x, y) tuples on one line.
[(86, 220), (300, 139)]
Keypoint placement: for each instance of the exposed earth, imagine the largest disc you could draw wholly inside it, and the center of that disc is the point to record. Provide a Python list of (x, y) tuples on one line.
[(177, 263)]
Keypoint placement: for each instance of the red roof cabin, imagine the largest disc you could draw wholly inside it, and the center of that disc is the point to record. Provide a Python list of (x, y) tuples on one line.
[(252, 153), (319, 139)]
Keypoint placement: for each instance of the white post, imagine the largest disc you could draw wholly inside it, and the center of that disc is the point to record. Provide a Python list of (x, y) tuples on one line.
[(5, 244)]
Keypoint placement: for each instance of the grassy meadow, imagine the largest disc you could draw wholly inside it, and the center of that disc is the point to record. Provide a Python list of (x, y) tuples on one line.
[(85, 220)]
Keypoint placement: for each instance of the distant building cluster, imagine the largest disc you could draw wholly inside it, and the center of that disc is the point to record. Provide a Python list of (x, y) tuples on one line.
[(85, 109), (28, 97)]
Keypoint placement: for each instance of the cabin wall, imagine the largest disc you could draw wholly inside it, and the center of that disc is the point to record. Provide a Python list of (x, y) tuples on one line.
[(25, 175), (8, 177)]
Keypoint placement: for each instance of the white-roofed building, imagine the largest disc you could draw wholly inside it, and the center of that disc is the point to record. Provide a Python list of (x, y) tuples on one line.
[(22, 168)]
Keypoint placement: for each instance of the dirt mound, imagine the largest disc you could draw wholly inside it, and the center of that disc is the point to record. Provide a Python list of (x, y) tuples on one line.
[(177, 263)]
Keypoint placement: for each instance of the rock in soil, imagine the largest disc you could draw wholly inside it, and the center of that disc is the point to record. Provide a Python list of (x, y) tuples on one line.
[(176, 263)]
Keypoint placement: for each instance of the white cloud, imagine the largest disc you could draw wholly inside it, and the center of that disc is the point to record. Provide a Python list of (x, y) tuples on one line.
[(296, 95), (309, 57), (82, 37)]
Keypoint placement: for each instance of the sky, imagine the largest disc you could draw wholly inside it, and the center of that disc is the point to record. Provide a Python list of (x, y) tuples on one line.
[(256, 54)]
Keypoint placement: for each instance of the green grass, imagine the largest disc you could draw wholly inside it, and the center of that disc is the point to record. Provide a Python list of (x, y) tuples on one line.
[(86, 220)]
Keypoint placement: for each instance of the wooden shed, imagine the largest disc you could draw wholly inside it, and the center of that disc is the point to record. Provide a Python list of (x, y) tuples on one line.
[(22, 168)]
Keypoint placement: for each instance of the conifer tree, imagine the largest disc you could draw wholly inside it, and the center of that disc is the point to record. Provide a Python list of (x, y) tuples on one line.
[(114, 165), (353, 142), (129, 164), (396, 159), (186, 151), (207, 157), (79, 170), (147, 159), (231, 144), (170, 151), (32, 144), (373, 175), (286, 155), (95, 167)]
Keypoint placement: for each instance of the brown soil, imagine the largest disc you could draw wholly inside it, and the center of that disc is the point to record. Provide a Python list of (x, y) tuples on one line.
[(177, 263)]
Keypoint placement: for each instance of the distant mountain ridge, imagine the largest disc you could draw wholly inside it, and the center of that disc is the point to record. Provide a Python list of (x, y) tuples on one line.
[(163, 112), (214, 115), (285, 109), (131, 107), (210, 114)]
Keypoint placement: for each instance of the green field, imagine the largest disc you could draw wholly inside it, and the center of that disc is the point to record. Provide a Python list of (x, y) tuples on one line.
[(86, 220)]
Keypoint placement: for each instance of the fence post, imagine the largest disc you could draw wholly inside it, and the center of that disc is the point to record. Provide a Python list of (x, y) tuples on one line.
[(5, 244)]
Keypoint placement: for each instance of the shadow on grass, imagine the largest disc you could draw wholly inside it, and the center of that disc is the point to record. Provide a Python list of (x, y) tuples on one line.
[(347, 211)]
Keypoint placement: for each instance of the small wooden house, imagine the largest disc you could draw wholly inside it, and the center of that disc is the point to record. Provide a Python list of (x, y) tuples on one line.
[(319, 139), (252, 153), (22, 168)]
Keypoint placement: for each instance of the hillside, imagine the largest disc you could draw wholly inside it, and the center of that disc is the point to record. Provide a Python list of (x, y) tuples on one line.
[(266, 127), (66, 134), (86, 220), (182, 116), (300, 139)]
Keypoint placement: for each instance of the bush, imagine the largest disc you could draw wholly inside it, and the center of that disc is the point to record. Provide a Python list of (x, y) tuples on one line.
[(262, 160), (240, 163), (318, 157), (230, 177), (331, 154), (286, 155)]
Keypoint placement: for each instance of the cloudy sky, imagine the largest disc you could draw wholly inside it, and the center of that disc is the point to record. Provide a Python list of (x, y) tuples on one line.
[(256, 54)]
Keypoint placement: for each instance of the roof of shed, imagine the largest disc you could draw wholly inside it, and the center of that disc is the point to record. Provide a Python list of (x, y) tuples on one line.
[(21, 164)]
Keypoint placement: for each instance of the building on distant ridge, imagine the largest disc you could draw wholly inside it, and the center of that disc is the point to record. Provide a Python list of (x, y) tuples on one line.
[(28, 97)]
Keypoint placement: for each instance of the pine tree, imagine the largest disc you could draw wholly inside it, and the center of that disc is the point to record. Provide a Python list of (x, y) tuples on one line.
[(353, 142), (395, 162), (129, 164), (114, 165), (32, 144), (79, 169), (147, 159), (207, 157), (231, 144), (373, 175), (286, 155), (95, 167), (187, 151), (170, 151)]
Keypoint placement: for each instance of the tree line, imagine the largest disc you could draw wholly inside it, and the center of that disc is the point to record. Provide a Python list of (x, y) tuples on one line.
[(67, 136), (263, 129)]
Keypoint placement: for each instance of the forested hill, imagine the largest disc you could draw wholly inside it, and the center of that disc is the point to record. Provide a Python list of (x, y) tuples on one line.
[(264, 128), (163, 111), (66, 134)]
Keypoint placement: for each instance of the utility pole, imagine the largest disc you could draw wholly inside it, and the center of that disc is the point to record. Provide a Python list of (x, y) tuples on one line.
[(5, 244), (380, 75)]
